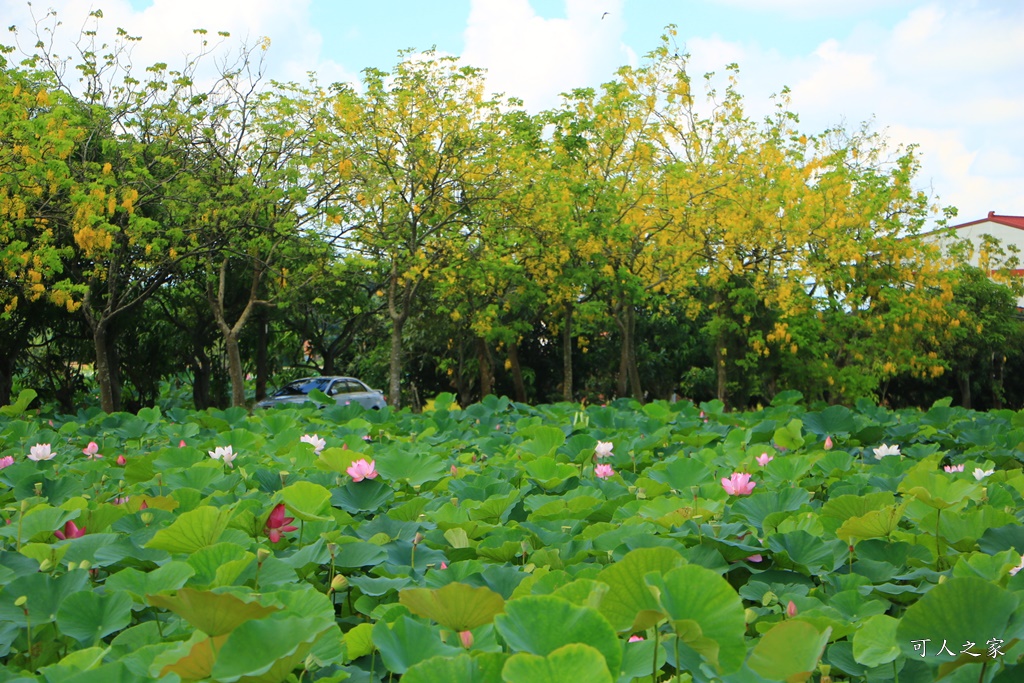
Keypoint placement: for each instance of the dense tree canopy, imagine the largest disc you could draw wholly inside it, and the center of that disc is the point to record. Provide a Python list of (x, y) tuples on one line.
[(160, 233)]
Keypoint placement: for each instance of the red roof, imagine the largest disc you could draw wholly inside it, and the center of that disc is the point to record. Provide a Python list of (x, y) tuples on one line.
[(993, 217)]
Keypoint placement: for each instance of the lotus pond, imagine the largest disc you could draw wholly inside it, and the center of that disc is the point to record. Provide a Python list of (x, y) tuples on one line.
[(512, 543)]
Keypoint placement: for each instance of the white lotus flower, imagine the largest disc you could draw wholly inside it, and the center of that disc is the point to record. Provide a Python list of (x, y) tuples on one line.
[(884, 450), (225, 453), (603, 449), (41, 451), (314, 440), (980, 474)]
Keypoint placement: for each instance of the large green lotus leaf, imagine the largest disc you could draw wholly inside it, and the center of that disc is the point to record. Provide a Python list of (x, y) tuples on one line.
[(87, 616), (358, 641), (680, 473), (705, 611), (380, 585), (568, 664), (208, 561), (79, 660), (983, 566), (414, 467), (191, 660), (89, 547), (830, 422), (805, 553), (38, 524), (482, 667), (874, 524), (25, 397), (758, 506), (541, 440), (360, 554), (875, 643), (629, 604), (168, 577), (214, 614), (407, 642), (307, 501), (938, 491), (192, 531), (790, 437), (787, 469), (970, 525), (583, 592), (842, 508), (788, 652), (957, 612), (548, 473), (457, 606), (44, 595), (638, 658), (368, 495), (267, 650), (539, 624)]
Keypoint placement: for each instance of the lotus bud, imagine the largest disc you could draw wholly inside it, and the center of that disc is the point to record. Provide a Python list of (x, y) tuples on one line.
[(122, 461), (943, 578), (467, 639), (84, 564), (339, 583), (749, 616), (791, 609), (46, 565), (262, 554), (147, 517), (768, 598), (828, 443), (417, 539)]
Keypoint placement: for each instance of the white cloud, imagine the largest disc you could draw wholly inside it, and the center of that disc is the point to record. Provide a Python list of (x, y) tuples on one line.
[(536, 59)]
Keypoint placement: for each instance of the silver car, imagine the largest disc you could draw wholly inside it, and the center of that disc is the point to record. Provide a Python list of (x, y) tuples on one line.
[(344, 390)]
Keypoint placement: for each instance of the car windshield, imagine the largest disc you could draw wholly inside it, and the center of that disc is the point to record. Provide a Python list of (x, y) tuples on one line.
[(303, 386)]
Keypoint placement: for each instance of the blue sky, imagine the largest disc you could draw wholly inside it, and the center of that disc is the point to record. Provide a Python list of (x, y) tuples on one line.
[(946, 75)]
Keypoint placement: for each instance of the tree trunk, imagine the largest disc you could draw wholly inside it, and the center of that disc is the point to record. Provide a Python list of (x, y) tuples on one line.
[(6, 379), (235, 371), (631, 367), (483, 359), (395, 366), (517, 372), (567, 354), (109, 401), (963, 380)]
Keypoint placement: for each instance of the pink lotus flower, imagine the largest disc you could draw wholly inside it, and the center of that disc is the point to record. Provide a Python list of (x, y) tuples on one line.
[(92, 451), (635, 639), (953, 468), (181, 444), (738, 484), (41, 451), (121, 500), (755, 558), (71, 530), (603, 449), (6, 461), (791, 609), (277, 523), (444, 565), (315, 441), (603, 471), (764, 459), (360, 469), (828, 443), (121, 460)]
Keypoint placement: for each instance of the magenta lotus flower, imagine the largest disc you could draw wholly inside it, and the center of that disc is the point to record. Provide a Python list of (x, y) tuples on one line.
[(41, 451), (360, 469), (635, 639), (71, 530), (738, 484), (603, 471), (953, 468), (603, 449), (277, 523), (828, 443), (92, 451), (6, 461), (764, 459)]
